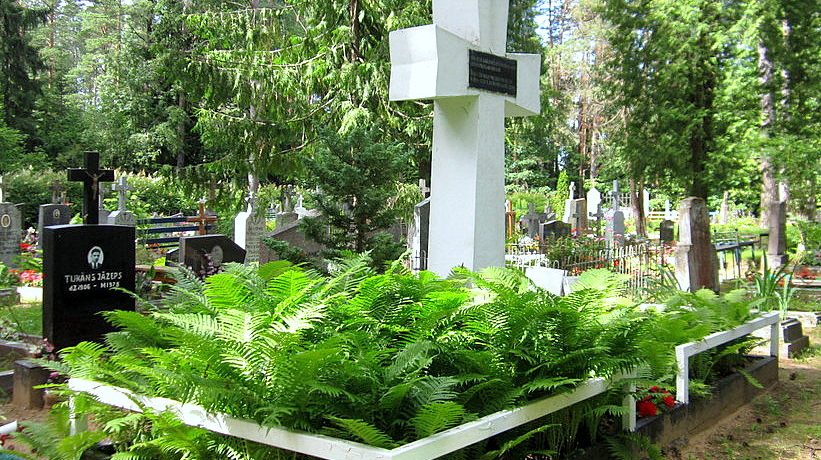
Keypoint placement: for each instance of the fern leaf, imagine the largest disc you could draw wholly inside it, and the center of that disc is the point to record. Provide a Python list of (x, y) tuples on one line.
[(437, 416), (365, 432)]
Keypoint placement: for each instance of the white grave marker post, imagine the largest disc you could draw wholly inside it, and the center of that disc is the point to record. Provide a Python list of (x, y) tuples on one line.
[(460, 62)]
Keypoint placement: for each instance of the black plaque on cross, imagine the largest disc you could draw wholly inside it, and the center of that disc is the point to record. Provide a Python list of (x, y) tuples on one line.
[(91, 176)]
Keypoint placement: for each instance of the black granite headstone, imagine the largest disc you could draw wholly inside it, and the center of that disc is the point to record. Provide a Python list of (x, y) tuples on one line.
[(666, 231), (203, 253), (82, 266), (554, 229)]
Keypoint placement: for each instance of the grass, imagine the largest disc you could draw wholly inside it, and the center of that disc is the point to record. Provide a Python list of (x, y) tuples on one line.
[(26, 318)]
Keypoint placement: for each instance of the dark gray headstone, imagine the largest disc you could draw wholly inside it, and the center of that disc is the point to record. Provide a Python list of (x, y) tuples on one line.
[(667, 231), (11, 228), (554, 229), (531, 220), (52, 214), (198, 252), (82, 266)]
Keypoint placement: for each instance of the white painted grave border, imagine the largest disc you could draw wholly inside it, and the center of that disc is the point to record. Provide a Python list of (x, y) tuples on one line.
[(685, 351), (330, 448)]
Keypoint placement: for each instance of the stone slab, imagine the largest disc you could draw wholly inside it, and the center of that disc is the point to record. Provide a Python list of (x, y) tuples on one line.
[(7, 381), (795, 347), (791, 330), (27, 375), (196, 252), (809, 319)]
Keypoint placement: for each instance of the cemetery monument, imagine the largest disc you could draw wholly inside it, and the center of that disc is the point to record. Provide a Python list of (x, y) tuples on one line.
[(460, 62), (11, 228)]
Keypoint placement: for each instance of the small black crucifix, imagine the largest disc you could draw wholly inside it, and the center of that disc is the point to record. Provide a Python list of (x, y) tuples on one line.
[(202, 220), (91, 176)]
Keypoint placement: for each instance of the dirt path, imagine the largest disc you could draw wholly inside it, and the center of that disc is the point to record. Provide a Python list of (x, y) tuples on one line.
[(783, 423)]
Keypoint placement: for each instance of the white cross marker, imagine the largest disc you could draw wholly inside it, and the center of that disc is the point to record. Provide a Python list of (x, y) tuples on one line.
[(121, 187), (439, 62)]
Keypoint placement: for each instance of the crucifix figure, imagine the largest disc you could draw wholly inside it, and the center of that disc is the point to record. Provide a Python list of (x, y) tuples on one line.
[(202, 219), (121, 187), (460, 62), (56, 191), (91, 176)]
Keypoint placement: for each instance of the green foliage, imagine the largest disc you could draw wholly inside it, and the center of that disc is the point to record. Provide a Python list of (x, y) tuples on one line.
[(356, 174), (383, 359), (773, 289)]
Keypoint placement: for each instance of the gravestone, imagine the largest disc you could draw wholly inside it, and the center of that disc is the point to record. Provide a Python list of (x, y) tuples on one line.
[(421, 235), (56, 213), (549, 214), (122, 216), (724, 211), (83, 265), (598, 216), (91, 176), (568, 205), (667, 231), (579, 216), (696, 258), (249, 228), (593, 202), (614, 218), (554, 229), (531, 221), (460, 62), (777, 242), (11, 229), (204, 253)]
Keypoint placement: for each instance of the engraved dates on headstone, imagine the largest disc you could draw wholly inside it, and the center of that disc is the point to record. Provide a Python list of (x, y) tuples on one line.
[(492, 73), (84, 267)]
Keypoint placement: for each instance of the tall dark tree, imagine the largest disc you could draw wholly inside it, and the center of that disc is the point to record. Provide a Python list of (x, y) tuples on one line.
[(19, 65)]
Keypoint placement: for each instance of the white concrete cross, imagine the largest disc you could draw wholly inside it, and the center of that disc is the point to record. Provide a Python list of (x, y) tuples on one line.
[(460, 62), (121, 187)]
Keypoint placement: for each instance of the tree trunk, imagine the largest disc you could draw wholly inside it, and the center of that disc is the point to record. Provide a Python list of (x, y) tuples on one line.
[(637, 203), (769, 192)]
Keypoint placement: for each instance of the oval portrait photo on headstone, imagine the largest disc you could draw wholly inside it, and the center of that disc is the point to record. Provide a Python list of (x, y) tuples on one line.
[(56, 214), (5, 221), (95, 257)]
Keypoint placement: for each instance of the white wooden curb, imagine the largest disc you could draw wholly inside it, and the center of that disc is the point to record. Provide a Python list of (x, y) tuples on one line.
[(685, 351), (330, 448)]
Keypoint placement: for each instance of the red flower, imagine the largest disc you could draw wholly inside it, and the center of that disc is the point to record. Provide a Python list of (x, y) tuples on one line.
[(654, 389), (669, 401), (646, 408), (4, 438)]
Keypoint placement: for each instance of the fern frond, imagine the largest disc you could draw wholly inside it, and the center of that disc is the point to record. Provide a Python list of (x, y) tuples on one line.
[(364, 432), (437, 416)]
